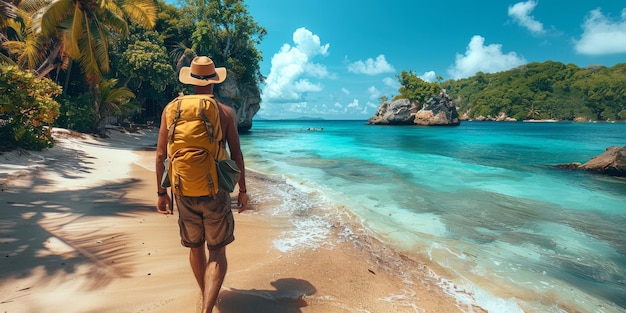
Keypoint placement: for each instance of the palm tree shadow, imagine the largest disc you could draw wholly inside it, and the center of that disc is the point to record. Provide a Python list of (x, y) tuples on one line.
[(289, 296), (59, 232)]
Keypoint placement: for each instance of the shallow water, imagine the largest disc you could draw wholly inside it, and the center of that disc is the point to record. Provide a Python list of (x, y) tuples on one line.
[(482, 200)]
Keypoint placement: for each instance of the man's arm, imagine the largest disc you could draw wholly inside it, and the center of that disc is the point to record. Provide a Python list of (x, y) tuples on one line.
[(161, 153), (228, 118)]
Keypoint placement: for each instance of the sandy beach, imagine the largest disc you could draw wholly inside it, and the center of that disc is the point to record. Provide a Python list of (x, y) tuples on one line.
[(79, 233)]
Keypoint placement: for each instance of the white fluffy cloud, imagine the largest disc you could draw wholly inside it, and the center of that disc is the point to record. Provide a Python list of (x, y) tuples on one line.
[(521, 14), (292, 67), (392, 83), (481, 58), (353, 104), (602, 36), (309, 43), (371, 66), (374, 92), (429, 76), (294, 87)]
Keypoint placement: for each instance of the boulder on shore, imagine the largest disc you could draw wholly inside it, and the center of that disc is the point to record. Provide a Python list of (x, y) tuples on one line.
[(438, 110), (611, 162)]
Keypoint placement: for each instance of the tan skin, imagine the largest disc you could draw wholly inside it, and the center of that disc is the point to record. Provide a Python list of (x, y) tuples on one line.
[(209, 273)]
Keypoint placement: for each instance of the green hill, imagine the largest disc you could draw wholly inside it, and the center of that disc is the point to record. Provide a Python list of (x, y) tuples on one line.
[(549, 90)]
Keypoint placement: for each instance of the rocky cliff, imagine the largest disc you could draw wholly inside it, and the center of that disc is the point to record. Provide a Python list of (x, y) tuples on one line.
[(438, 110), (244, 98)]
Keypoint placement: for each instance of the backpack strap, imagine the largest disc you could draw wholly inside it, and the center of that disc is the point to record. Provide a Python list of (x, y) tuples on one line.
[(207, 123), (209, 130), (175, 121)]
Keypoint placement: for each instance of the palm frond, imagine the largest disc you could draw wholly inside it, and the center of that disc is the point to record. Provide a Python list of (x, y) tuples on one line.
[(142, 12), (14, 47), (31, 55), (101, 52), (88, 57), (76, 33), (49, 17), (113, 99), (27, 46), (114, 19), (32, 6)]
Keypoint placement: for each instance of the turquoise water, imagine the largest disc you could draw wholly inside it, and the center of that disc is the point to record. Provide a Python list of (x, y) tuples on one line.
[(482, 200)]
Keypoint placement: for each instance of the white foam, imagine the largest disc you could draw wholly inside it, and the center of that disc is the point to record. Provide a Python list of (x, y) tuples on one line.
[(304, 209), (308, 233), (468, 296)]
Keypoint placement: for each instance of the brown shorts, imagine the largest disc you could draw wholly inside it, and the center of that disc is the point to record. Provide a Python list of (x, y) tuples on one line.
[(205, 219)]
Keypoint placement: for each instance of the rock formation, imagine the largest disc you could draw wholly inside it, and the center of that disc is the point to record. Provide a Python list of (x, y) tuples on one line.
[(438, 110), (244, 98), (612, 162), (398, 112)]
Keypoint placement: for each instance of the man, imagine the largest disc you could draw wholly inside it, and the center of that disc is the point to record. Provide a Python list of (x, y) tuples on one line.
[(195, 228)]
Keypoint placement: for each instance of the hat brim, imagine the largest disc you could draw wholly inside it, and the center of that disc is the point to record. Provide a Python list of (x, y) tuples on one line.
[(185, 77)]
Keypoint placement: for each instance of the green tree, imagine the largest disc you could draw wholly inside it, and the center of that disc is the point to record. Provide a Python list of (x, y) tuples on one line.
[(416, 89), (85, 26), (76, 113), (113, 101), (21, 44), (533, 113), (142, 64), (27, 109), (173, 26), (227, 33)]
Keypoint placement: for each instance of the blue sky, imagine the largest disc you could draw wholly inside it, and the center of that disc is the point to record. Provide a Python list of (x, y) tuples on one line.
[(335, 59)]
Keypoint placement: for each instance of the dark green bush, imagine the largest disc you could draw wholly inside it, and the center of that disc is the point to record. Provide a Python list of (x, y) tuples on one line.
[(76, 114), (27, 109)]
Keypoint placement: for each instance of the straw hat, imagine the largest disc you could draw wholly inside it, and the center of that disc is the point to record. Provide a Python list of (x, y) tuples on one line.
[(202, 72)]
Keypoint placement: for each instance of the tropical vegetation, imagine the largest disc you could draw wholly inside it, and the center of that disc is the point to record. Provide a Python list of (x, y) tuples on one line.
[(28, 106), (81, 64), (548, 90)]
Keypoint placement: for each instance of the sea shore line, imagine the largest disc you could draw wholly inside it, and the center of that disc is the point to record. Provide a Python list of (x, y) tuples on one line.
[(79, 232)]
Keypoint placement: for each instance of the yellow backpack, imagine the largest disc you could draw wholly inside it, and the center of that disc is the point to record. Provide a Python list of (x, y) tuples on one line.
[(194, 145)]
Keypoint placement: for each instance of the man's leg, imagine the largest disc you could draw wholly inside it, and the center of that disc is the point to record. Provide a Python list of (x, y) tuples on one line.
[(197, 259), (214, 277)]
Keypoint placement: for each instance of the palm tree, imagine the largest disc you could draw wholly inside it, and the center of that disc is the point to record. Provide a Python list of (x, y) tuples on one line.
[(21, 43), (532, 113), (111, 101), (81, 30), (85, 26), (182, 56)]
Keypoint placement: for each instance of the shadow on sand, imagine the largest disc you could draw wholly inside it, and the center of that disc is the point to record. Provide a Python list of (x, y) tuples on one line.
[(56, 232), (288, 297)]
